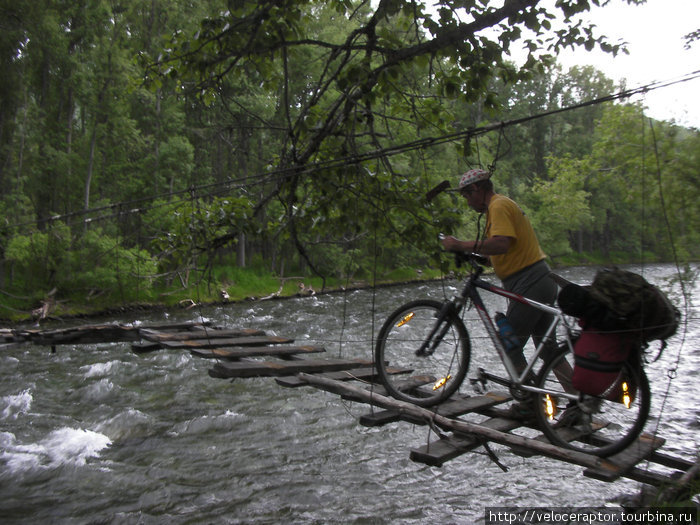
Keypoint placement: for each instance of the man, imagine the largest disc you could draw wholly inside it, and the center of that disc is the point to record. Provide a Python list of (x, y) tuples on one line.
[(516, 256)]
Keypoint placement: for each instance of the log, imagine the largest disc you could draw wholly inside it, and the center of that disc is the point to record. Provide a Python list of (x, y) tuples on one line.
[(254, 351), (273, 369), (438, 452), (457, 405), (362, 374), (156, 335), (236, 341), (680, 488), (462, 427)]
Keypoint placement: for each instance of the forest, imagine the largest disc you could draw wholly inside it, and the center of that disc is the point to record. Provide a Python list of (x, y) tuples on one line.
[(170, 151)]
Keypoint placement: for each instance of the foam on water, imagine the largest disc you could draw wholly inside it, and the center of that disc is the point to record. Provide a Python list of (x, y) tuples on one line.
[(100, 369), (99, 391), (130, 423), (64, 446), (153, 439), (16, 405), (201, 425)]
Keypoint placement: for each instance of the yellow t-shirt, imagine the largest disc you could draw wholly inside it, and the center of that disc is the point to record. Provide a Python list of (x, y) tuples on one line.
[(504, 217)]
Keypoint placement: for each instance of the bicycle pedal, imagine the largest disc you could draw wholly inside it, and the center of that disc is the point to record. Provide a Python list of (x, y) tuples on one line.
[(478, 384)]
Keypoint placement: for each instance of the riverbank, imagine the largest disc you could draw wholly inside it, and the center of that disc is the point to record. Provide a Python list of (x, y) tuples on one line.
[(227, 286), (62, 311), (187, 446)]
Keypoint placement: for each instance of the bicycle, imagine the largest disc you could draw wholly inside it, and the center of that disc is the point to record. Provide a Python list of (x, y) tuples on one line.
[(429, 338)]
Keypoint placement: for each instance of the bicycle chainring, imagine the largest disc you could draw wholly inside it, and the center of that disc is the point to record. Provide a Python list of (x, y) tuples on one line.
[(520, 394)]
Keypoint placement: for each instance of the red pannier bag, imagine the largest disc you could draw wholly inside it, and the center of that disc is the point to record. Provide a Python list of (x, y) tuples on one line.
[(598, 360)]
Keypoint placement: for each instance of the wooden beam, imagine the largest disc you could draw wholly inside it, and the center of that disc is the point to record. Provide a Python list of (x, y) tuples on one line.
[(362, 374), (454, 406), (625, 460), (438, 452), (102, 333), (253, 351), (462, 427), (270, 369), (236, 341), (150, 334)]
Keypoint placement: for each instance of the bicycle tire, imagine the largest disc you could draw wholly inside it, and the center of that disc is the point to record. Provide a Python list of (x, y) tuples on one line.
[(402, 334), (595, 425)]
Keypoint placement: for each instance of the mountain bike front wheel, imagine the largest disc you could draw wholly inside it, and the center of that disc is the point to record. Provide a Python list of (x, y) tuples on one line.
[(600, 425), (421, 354)]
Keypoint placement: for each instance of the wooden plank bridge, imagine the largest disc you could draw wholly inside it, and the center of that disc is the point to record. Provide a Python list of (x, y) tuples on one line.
[(461, 424)]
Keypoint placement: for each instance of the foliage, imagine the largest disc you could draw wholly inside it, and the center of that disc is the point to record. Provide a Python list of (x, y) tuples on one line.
[(152, 145), (39, 257), (560, 205), (112, 267), (195, 227), (92, 265)]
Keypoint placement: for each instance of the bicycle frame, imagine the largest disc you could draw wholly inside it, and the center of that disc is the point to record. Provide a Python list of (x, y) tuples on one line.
[(470, 293), (600, 424)]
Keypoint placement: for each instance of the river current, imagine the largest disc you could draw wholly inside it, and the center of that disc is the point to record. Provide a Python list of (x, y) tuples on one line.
[(98, 434)]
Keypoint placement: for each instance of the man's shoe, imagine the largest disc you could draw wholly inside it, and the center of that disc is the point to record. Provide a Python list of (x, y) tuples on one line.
[(578, 414), (520, 411)]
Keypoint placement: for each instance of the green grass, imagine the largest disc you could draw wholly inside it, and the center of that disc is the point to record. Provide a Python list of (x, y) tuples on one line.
[(255, 281)]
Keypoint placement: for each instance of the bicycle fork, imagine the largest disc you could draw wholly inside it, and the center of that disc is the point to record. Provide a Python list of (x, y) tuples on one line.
[(438, 332)]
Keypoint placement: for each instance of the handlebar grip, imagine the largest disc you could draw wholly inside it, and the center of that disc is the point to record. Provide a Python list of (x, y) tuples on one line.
[(480, 259), (461, 257), (476, 258)]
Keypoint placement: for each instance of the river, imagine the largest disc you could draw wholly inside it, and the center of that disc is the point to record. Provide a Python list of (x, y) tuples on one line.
[(98, 434)]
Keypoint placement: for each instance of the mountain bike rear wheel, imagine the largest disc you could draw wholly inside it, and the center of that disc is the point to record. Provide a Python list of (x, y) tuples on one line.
[(439, 371), (600, 425)]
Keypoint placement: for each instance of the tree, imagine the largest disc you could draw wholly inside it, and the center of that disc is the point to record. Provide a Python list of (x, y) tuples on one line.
[(642, 173), (369, 78), (560, 205)]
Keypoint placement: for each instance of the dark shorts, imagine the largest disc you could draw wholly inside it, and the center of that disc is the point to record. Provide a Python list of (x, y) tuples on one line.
[(534, 283)]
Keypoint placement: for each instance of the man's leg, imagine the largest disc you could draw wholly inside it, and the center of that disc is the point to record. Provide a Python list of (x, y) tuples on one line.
[(530, 322)]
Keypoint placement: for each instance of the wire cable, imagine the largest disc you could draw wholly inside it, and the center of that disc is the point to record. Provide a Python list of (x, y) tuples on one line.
[(282, 174)]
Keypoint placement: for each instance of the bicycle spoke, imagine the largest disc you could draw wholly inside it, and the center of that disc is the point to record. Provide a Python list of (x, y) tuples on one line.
[(600, 425), (412, 340)]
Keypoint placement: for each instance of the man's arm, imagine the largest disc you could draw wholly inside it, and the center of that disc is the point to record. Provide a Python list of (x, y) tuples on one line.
[(496, 245)]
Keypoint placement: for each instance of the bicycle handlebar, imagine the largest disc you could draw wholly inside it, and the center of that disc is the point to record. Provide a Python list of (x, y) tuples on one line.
[(475, 259)]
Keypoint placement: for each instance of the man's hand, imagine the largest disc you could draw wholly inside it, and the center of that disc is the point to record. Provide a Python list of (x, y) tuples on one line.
[(493, 246), (451, 244)]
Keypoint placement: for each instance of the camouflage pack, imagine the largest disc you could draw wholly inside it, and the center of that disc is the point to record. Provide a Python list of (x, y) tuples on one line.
[(636, 304)]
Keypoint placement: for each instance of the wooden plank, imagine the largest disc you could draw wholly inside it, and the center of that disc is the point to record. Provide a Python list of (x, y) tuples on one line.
[(671, 461), (278, 368), (253, 351), (142, 347), (84, 335), (463, 404), (622, 462), (89, 334), (681, 487), (361, 374), (644, 475), (186, 325), (237, 341), (384, 417), (215, 333), (456, 425), (380, 418), (567, 434), (453, 407), (436, 453)]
